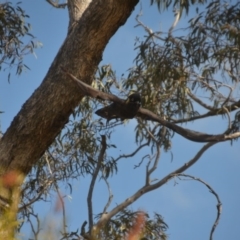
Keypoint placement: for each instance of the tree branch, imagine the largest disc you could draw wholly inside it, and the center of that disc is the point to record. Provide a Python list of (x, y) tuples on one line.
[(148, 188), (56, 4), (200, 102), (148, 115), (219, 205), (94, 177), (133, 153), (110, 195), (154, 167)]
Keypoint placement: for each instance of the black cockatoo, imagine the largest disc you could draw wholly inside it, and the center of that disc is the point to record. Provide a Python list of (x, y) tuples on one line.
[(126, 110)]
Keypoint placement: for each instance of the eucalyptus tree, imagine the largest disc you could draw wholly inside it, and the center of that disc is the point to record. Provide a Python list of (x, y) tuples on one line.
[(170, 72)]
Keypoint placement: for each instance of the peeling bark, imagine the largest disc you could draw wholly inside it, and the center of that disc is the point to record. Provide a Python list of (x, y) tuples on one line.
[(47, 111)]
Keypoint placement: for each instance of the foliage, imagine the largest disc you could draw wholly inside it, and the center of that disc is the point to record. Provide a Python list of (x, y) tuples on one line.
[(8, 222), (124, 222), (183, 6), (14, 32)]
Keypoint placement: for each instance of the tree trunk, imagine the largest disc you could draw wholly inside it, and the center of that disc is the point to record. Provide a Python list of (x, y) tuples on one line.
[(46, 112)]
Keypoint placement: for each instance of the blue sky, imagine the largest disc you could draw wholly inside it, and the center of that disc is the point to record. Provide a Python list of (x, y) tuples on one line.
[(188, 207)]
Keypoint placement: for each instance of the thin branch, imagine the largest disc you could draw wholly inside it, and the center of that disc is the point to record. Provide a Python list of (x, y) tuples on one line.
[(133, 153), (152, 187), (147, 29), (219, 205), (154, 167), (140, 163), (215, 112), (37, 231), (110, 195), (218, 94), (25, 206), (60, 198), (184, 132), (56, 4), (94, 177), (177, 18), (200, 102), (41, 190)]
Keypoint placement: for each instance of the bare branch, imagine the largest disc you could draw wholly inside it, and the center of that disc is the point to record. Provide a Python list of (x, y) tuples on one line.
[(56, 4), (148, 188), (92, 92), (94, 177), (25, 206), (200, 102), (177, 18), (215, 112), (110, 195), (133, 153), (147, 29), (154, 167), (219, 205), (140, 163), (38, 229)]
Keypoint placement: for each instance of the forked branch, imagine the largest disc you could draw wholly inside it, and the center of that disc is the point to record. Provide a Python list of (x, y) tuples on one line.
[(148, 188)]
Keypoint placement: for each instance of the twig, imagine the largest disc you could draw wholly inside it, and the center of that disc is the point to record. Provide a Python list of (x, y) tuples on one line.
[(140, 163), (56, 4), (133, 153), (94, 177), (219, 205), (147, 29), (154, 167), (60, 198), (37, 231), (110, 195), (25, 206)]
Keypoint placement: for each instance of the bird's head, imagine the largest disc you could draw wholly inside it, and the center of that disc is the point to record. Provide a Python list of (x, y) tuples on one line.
[(134, 98)]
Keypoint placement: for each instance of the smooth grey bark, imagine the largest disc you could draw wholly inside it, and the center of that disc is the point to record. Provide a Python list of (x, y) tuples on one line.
[(47, 111)]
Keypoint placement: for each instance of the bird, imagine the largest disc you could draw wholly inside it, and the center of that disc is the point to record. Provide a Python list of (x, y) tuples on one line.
[(126, 110)]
